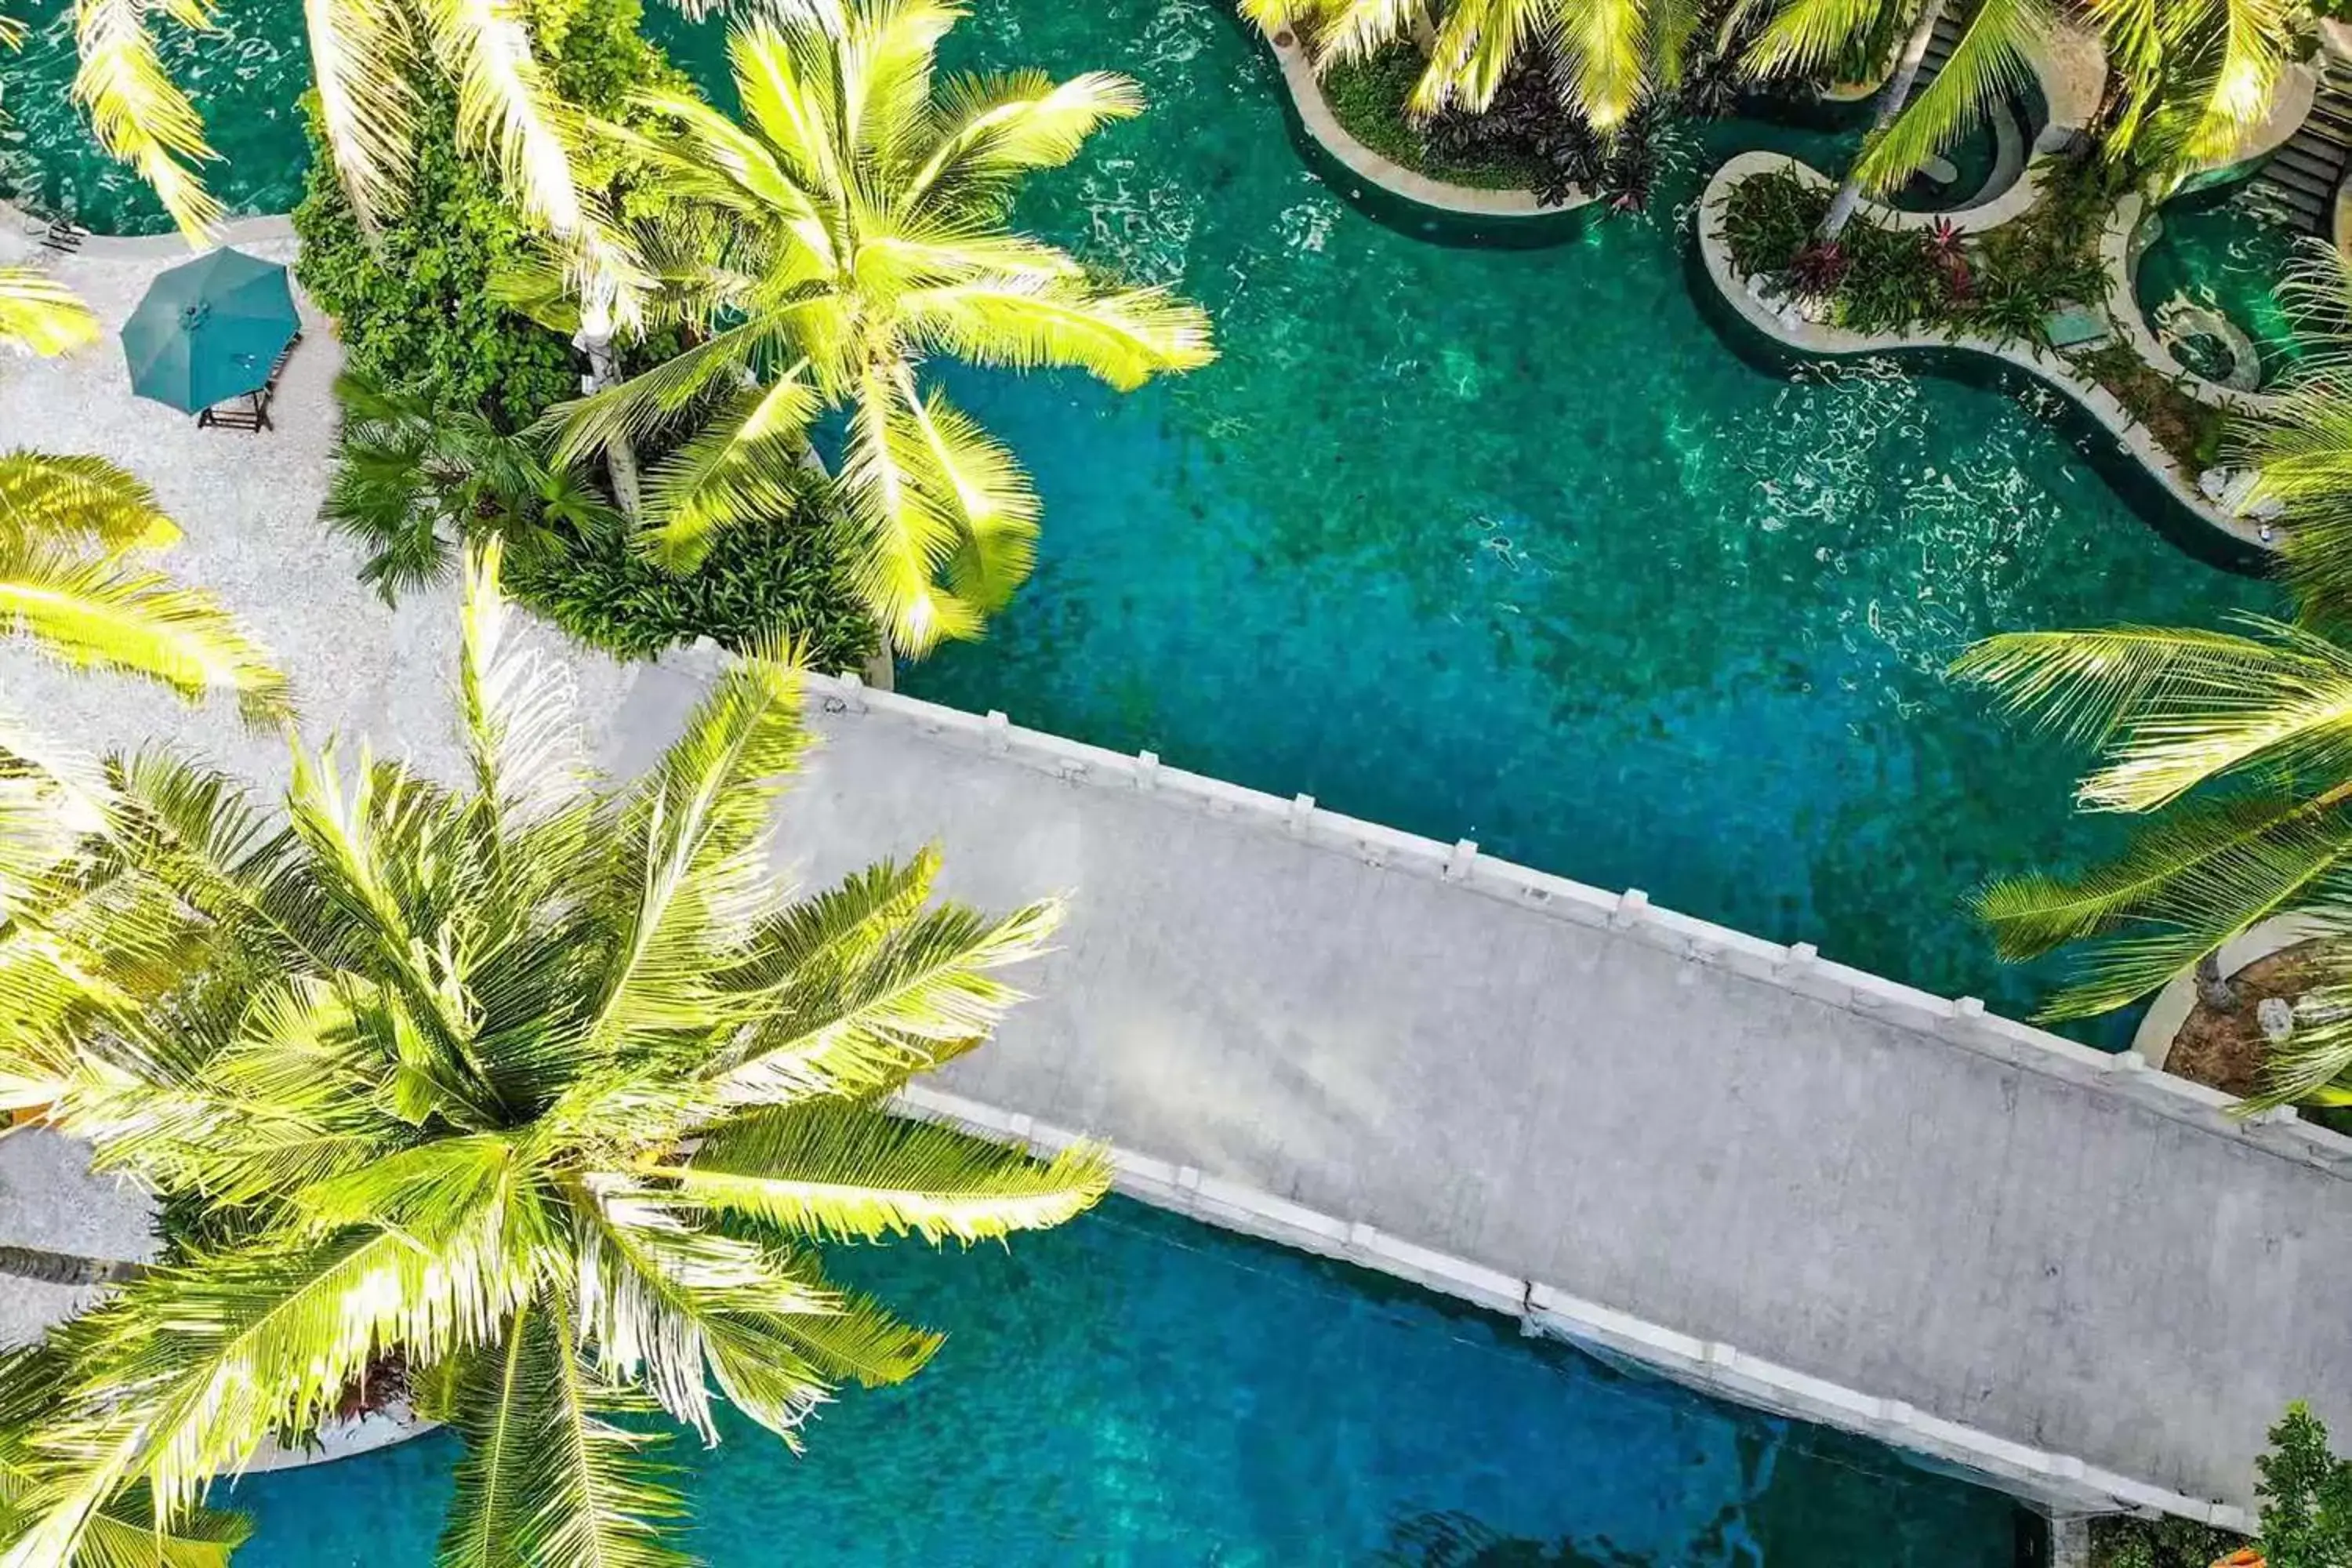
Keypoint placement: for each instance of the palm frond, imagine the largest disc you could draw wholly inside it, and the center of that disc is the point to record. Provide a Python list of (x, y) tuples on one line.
[(923, 996), (362, 59), (1988, 63), (2175, 708), (139, 114), (549, 1480), (1805, 36), (1476, 44), (505, 106), (844, 1171), (79, 496), (1124, 337), (39, 315), (105, 614)]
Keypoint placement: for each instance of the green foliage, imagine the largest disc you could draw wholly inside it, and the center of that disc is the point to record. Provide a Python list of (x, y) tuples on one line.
[(780, 576), (1368, 95), (2190, 432), (2122, 1540), (543, 1088), (413, 303), (2306, 1495)]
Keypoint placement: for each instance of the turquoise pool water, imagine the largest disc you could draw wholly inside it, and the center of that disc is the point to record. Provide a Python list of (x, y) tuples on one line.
[(1136, 1390), (2226, 253)]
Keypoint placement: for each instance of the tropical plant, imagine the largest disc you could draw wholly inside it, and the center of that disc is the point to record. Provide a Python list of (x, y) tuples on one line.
[(546, 1088), (2301, 449), (1606, 56), (415, 484), (367, 56), (1990, 62), (851, 227), (2239, 737), (2191, 77)]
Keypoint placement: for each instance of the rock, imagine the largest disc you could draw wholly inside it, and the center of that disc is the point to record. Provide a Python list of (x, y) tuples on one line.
[(1941, 171), (2277, 1016)]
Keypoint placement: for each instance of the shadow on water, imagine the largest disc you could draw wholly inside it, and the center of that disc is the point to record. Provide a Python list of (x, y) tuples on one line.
[(1457, 1540)]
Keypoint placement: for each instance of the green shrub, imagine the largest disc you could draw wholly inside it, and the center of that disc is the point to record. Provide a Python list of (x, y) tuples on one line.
[(785, 577), (412, 304), (1366, 96), (2119, 1541), (2306, 1496)]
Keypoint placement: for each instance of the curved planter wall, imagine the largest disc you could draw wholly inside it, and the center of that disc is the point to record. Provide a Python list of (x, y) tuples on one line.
[(1826, 340)]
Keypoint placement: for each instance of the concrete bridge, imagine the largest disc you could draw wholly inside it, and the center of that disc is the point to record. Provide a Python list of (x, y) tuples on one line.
[(1760, 1170)]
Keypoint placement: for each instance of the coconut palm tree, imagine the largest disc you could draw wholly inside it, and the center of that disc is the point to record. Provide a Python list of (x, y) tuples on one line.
[(2242, 739), (1805, 39), (1608, 55), (545, 1088), (852, 226)]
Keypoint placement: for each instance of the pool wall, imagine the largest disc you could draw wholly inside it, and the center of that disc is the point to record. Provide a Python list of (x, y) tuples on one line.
[(2058, 1482)]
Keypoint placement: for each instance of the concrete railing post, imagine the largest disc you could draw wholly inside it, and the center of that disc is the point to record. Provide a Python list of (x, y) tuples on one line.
[(998, 728), (1633, 908), (1147, 769), (1301, 813), (1463, 855)]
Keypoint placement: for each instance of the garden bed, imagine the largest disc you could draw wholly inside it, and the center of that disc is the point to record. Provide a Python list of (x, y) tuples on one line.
[(2226, 1050), (1367, 98), (2006, 283)]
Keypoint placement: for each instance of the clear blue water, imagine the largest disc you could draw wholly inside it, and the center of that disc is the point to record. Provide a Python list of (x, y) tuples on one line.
[(1136, 1390)]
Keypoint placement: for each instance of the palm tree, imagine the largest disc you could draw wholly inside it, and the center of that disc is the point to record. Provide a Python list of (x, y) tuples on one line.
[(2243, 739), (415, 484), (1806, 38), (545, 1088), (1608, 55), (364, 55), (851, 227)]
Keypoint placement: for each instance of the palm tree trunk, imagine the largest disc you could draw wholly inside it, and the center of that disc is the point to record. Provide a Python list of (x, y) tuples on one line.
[(1892, 99), (595, 340), (66, 1267), (2212, 988)]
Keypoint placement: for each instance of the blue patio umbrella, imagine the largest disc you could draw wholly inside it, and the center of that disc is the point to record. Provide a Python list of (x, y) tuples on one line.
[(209, 330)]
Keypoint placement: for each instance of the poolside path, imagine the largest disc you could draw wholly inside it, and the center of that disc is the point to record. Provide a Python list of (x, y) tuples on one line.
[(1855, 1196)]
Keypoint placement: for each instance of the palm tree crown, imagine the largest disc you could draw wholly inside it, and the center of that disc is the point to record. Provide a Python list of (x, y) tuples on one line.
[(2244, 738), (541, 1087), (851, 225)]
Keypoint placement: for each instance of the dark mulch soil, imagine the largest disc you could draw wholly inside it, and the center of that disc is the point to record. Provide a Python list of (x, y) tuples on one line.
[(2226, 1049)]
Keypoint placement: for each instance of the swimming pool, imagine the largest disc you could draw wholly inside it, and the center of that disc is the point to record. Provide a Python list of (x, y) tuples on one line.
[(1496, 543), (1138, 1390)]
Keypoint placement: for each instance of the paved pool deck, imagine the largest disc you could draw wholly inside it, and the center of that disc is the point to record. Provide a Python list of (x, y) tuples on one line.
[(1857, 1187)]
